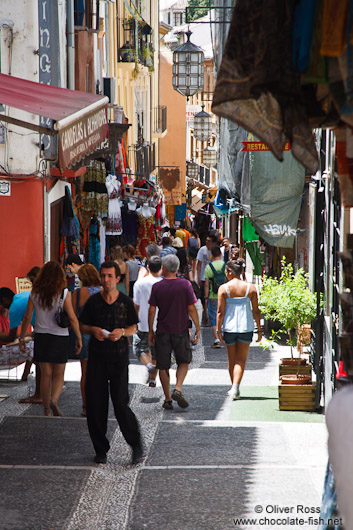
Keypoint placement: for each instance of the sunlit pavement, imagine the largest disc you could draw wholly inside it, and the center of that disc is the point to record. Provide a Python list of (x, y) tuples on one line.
[(205, 467)]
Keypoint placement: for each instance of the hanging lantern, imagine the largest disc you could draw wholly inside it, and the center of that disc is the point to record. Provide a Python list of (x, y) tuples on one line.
[(209, 156), (188, 68), (192, 170), (202, 125)]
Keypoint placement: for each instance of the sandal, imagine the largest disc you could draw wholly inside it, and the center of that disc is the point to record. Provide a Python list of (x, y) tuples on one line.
[(168, 405), (179, 398), (84, 411), (47, 412)]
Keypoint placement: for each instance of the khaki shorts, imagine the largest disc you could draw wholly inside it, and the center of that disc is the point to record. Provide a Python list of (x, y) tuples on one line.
[(179, 343)]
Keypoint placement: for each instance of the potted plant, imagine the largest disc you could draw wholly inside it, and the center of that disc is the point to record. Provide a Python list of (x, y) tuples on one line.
[(147, 56), (127, 53), (289, 301)]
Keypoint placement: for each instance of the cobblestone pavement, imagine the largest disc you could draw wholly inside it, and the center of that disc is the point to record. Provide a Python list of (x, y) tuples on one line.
[(202, 469)]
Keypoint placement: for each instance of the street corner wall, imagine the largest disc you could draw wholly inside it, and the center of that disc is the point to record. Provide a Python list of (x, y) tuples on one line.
[(172, 148), (21, 221)]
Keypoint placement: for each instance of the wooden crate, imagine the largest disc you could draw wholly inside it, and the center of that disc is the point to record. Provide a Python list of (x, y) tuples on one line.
[(287, 370), (297, 397)]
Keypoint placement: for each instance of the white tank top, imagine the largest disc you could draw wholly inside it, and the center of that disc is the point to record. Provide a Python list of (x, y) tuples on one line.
[(45, 318), (238, 317)]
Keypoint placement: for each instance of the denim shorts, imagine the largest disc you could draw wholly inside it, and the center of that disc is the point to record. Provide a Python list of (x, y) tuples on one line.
[(232, 338), (141, 345), (212, 311)]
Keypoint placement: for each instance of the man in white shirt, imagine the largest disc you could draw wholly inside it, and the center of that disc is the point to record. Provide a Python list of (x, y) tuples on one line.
[(142, 291)]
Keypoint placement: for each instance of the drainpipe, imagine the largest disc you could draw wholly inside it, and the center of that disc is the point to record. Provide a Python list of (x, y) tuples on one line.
[(70, 33), (106, 26)]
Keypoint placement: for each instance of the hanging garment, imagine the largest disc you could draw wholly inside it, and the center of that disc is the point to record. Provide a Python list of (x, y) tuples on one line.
[(256, 86), (94, 253), (302, 33), (129, 220), (114, 222), (102, 246), (94, 194), (334, 27), (145, 234), (70, 226)]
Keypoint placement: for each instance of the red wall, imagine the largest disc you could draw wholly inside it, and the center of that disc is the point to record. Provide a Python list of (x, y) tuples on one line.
[(21, 239)]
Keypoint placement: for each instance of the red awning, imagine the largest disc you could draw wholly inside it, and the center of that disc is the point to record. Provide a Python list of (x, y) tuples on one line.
[(80, 118)]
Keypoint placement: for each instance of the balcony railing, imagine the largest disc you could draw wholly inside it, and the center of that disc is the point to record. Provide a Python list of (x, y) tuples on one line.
[(159, 119), (144, 159)]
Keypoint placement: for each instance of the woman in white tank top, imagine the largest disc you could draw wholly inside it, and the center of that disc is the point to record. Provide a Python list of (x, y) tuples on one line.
[(50, 340), (237, 309)]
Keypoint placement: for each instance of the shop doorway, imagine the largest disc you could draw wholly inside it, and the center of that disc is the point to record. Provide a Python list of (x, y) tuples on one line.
[(56, 219)]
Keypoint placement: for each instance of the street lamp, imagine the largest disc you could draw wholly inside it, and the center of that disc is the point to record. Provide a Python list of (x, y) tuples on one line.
[(192, 170), (188, 68), (209, 156), (202, 125)]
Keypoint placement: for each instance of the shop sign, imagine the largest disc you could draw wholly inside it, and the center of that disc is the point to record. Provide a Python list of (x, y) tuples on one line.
[(171, 185), (260, 146), (191, 110), (5, 188), (82, 137), (48, 25)]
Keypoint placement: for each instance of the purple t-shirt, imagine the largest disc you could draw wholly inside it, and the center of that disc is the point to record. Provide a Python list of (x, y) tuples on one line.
[(172, 297)]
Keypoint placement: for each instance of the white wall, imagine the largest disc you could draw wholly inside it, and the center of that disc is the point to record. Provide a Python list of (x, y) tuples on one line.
[(19, 154)]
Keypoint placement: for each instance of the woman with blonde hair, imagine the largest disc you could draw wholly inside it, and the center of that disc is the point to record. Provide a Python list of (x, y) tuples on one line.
[(91, 284), (49, 294), (124, 282), (237, 309)]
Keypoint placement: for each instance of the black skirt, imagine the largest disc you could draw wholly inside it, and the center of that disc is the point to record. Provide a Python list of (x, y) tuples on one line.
[(50, 348)]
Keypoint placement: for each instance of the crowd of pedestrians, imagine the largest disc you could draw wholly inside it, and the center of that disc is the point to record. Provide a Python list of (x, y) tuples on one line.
[(150, 304)]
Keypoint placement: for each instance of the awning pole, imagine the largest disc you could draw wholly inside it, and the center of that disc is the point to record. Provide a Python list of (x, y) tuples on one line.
[(27, 125), (70, 45)]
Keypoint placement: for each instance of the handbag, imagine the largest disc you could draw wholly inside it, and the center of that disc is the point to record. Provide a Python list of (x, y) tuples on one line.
[(196, 289), (61, 316)]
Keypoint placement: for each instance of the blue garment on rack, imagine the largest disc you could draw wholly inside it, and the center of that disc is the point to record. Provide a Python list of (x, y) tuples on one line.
[(180, 212), (94, 252), (302, 34), (129, 220)]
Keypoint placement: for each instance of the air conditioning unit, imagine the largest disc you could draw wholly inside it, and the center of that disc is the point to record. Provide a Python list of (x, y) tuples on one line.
[(109, 88)]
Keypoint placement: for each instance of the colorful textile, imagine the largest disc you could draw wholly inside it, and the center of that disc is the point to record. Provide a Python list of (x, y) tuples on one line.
[(334, 27), (256, 86), (180, 212), (145, 234), (94, 193)]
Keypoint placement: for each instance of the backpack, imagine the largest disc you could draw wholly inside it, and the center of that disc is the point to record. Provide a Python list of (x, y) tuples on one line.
[(219, 277)]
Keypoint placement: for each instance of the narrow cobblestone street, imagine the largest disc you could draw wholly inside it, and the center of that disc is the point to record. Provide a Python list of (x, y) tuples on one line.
[(205, 466)]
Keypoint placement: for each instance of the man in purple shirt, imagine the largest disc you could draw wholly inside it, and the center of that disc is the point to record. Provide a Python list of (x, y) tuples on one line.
[(174, 297)]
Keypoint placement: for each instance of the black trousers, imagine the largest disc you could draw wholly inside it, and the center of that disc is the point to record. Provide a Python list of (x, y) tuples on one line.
[(104, 377)]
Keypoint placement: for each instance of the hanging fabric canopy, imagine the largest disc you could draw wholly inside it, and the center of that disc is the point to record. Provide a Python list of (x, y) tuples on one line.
[(256, 85)]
